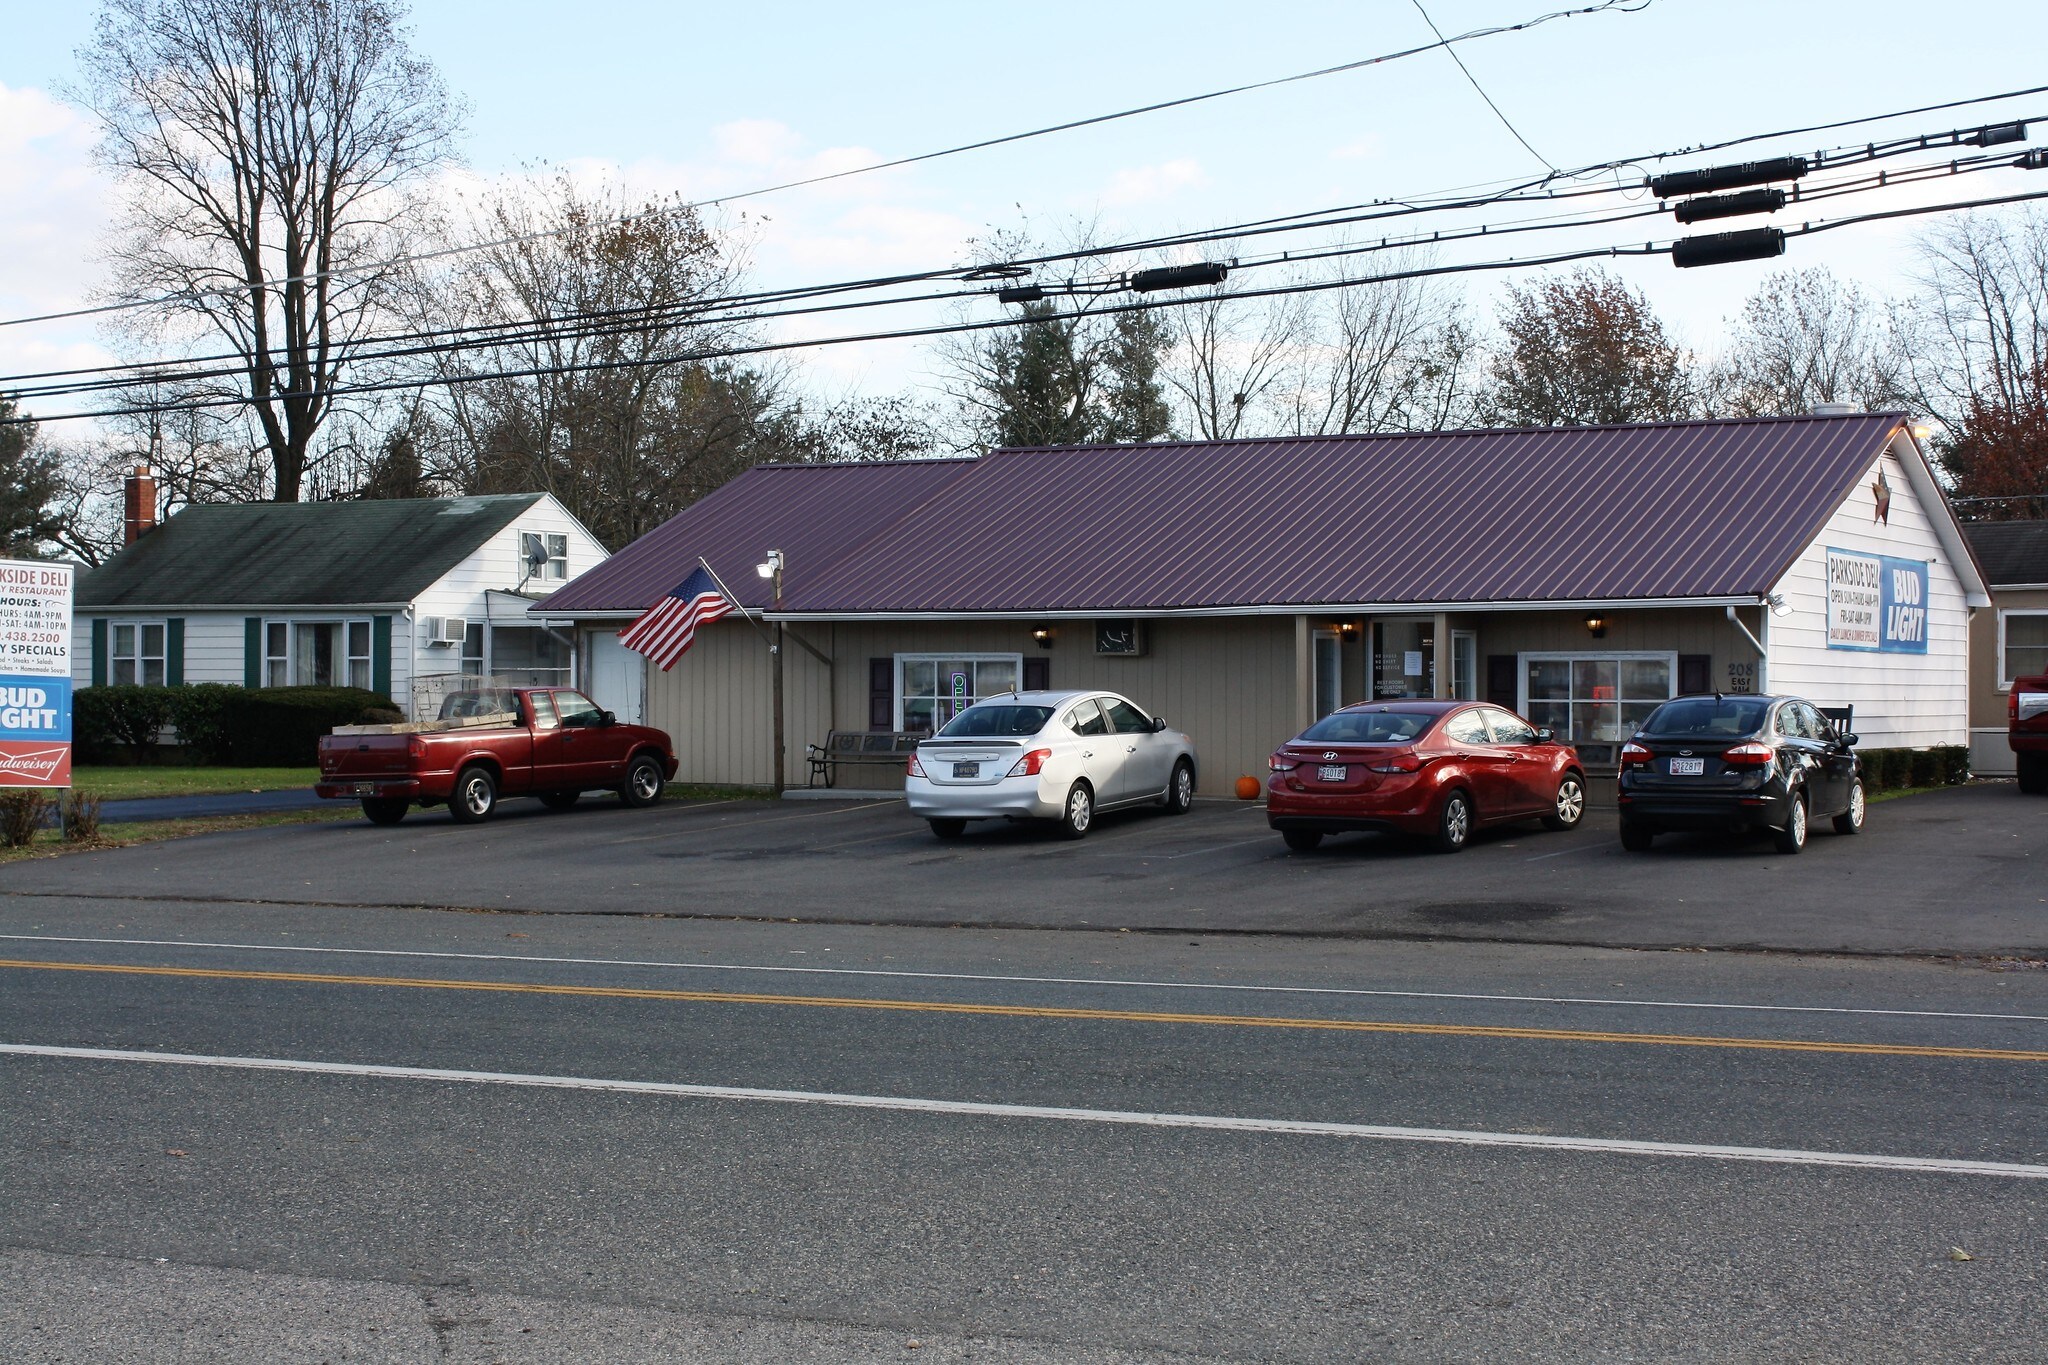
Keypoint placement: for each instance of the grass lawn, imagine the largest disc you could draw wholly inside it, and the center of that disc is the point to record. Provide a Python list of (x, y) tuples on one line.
[(49, 842), (120, 784)]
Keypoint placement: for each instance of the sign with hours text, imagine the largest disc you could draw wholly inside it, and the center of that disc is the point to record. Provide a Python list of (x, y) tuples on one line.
[(35, 674), (1876, 602)]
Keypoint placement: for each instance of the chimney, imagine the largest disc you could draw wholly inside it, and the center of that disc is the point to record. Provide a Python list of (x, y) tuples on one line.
[(1837, 409), (138, 504)]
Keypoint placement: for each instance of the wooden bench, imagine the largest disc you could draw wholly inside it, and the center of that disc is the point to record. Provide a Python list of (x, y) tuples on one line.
[(883, 748)]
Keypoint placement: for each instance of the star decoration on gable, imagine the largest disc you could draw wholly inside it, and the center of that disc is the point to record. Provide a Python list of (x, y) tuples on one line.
[(1881, 490)]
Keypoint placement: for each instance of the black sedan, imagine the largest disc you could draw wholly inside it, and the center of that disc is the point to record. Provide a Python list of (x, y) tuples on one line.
[(1738, 763)]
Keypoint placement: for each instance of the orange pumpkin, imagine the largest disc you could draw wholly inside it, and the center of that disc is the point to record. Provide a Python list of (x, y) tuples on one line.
[(1247, 788)]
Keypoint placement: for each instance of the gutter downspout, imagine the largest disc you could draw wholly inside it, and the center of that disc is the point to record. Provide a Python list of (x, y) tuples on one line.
[(1762, 654)]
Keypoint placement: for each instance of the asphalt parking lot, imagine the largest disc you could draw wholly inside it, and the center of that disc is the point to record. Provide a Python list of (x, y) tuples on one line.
[(1954, 872)]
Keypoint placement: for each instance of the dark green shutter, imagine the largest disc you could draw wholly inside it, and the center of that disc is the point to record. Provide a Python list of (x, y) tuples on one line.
[(99, 651), (380, 654), (252, 651), (174, 652)]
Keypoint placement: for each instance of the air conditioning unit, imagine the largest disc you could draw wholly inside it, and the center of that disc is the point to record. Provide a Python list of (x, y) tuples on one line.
[(446, 630)]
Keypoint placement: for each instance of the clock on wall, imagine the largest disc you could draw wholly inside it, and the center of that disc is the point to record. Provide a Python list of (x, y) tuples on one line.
[(1124, 637)]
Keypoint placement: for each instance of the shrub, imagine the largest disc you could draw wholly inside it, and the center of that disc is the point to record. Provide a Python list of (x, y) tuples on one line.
[(1927, 768), (282, 726), (108, 719), (22, 811), (1955, 763), (79, 814), (204, 714)]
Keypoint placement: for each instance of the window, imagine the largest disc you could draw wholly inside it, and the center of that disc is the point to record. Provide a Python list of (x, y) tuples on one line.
[(1467, 728), (1016, 722), (1086, 719), (135, 652), (933, 688), (1127, 719), (544, 555), (1464, 665), (578, 711), (317, 654), (529, 655), (1329, 671), (1595, 698), (2022, 645), (473, 649), (1368, 727), (1507, 729), (543, 710)]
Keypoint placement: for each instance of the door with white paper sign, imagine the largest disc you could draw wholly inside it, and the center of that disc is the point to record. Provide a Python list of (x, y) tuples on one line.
[(618, 678)]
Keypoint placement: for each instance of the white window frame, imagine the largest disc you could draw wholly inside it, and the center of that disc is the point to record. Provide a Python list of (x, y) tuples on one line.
[(162, 659), (556, 567), (1016, 661), (290, 657), (1528, 657), (1465, 676), (2005, 673)]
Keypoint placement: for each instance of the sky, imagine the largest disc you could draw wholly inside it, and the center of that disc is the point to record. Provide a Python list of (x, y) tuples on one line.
[(710, 100)]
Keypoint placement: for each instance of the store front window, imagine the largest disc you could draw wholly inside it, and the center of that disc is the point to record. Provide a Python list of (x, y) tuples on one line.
[(933, 688), (529, 655), (1595, 698), (1404, 658)]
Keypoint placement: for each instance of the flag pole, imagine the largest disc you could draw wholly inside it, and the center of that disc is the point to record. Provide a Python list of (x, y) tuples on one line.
[(733, 598)]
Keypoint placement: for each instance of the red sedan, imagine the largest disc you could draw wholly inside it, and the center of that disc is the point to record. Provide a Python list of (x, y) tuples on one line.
[(1439, 769)]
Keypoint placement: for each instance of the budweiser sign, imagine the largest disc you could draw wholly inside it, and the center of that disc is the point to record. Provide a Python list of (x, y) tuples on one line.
[(34, 765)]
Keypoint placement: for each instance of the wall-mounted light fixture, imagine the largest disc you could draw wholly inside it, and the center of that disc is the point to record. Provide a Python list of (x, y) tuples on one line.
[(1043, 634), (1596, 626), (1347, 629)]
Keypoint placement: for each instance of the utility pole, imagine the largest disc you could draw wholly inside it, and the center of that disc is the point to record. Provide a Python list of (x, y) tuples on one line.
[(773, 569)]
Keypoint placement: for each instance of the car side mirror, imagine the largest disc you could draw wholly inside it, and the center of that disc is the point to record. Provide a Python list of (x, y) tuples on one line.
[(1545, 737), (1849, 741), (1158, 724), (607, 718)]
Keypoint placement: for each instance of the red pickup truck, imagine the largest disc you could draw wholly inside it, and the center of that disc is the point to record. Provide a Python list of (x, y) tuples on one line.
[(549, 742), (2027, 717)]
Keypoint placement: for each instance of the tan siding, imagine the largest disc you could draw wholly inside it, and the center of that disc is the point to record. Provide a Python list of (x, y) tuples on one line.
[(715, 705), (1989, 751)]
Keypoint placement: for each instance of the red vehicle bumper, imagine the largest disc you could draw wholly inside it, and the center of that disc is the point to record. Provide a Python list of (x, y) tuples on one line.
[(352, 789), (1402, 805)]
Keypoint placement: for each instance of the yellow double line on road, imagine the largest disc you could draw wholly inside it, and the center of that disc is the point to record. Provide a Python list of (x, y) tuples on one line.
[(1548, 1035)]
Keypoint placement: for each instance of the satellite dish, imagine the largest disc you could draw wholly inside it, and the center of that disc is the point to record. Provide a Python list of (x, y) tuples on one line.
[(536, 558)]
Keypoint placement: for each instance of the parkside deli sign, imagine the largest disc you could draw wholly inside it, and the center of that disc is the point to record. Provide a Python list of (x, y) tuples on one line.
[(35, 674), (1876, 603)]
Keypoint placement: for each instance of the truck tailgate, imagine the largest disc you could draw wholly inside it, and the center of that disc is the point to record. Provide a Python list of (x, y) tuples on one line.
[(351, 756)]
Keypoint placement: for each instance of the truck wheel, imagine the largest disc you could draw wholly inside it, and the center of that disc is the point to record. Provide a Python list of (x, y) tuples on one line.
[(559, 800), (475, 796), (384, 810), (643, 782)]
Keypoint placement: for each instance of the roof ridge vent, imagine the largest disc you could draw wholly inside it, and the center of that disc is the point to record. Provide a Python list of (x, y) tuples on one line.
[(1837, 409)]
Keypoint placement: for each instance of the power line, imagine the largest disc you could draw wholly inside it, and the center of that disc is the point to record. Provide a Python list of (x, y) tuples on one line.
[(1548, 164), (1624, 6)]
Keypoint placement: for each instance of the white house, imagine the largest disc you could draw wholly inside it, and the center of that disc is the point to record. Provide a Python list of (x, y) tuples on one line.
[(377, 594)]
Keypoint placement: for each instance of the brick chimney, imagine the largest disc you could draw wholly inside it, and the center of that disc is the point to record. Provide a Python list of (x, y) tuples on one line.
[(138, 504)]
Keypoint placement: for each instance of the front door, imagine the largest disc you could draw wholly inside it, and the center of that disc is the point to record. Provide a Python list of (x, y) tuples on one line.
[(1101, 753), (593, 752)]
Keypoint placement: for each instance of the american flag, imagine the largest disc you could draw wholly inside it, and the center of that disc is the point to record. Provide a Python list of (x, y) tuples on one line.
[(666, 629)]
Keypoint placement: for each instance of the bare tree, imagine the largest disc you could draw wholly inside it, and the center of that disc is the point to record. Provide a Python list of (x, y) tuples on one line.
[(1584, 348), (268, 149), (1803, 338), (1976, 327)]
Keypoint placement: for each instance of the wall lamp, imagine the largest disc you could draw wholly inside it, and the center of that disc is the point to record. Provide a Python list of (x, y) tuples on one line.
[(1043, 635), (1596, 626)]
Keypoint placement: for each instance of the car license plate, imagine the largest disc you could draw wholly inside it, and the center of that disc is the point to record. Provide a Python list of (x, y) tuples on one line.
[(967, 770), (366, 789), (1688, 767), (1331, 772)]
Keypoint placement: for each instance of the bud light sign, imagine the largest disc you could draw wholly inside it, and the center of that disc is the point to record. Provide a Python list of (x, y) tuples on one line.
[(1877, 603), (35, 674)]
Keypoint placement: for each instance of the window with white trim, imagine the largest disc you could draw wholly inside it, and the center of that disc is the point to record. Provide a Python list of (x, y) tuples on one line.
[(1595, 698), (135, 652), (317, 653), (933, 688), (2022, 645), (543, 554)]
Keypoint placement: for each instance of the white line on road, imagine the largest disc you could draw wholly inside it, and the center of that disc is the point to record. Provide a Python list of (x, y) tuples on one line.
[(1137, 983), (1215, 848), (1207, 1122)]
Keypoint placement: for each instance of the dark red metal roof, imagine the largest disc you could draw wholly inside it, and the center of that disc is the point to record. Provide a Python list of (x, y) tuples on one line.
[(814, 514), (1669, 510)]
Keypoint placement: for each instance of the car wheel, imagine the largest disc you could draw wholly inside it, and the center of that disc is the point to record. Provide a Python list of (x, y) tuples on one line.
[(949, 829), (1180, 788), (1635, 838), (384, 810), (1792, 838), (1453, 823), (559, 800), (1570, 806), (2033, 774), (476, 796), (1302, 840), (1079, 812), (1850, 821), (644, 782)]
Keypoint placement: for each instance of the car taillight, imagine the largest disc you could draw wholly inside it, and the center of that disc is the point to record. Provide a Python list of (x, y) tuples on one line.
[(915, 769), (1029, 765), (1409, 762), (1281, 763), (1633, 752), (1750, 755), (416, 748)]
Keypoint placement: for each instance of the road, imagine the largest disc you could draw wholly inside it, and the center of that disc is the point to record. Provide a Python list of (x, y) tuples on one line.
[(259, 1132)]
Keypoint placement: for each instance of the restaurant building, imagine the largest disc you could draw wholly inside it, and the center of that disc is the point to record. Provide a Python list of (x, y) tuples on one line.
[(1579, 575)]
